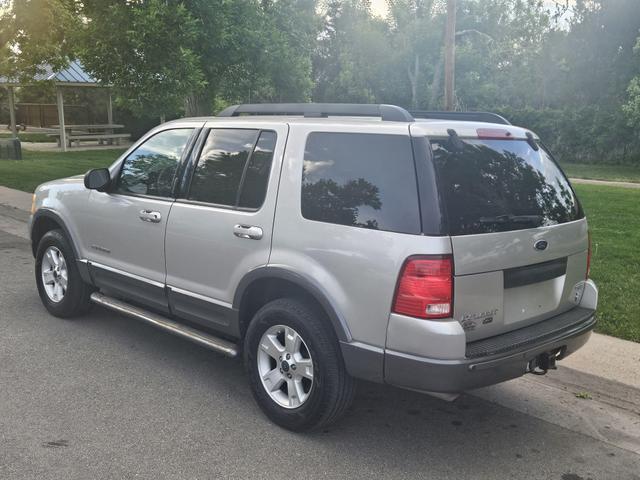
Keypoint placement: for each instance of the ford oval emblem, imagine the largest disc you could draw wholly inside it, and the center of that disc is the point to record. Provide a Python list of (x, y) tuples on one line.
[(541, 245)]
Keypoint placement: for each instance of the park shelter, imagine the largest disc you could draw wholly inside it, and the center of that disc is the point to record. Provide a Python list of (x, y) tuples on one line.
[(73, 75)]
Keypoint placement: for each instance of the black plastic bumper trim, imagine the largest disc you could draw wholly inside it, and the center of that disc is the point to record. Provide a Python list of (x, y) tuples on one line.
[(455, 376), (531, 335)]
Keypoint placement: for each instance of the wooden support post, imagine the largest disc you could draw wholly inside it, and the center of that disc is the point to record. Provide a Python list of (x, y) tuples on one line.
[(450, 56), (12, 113), (109, 118), (63, 132)]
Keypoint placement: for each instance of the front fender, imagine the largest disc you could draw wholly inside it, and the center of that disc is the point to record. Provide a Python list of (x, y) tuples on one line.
[(64, 202)]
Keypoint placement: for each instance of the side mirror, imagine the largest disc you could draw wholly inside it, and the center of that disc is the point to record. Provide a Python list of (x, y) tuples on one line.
[(97, 179)]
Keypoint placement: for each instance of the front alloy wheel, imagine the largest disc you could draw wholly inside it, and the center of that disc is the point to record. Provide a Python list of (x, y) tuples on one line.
[(285, 366), (60, 285), (55, 275)]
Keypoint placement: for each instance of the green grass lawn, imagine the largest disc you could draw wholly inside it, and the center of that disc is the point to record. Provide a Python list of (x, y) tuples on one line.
[(38, 167), (620, 173), (614, 222)]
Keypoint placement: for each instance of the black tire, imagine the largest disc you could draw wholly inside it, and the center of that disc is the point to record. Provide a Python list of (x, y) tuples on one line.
[(333, 388), (76, 297)]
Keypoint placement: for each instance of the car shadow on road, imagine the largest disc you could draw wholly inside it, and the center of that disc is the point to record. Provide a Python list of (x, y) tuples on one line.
[(387, 431)]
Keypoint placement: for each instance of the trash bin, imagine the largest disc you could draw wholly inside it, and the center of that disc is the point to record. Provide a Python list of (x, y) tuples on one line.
[(10, 149)]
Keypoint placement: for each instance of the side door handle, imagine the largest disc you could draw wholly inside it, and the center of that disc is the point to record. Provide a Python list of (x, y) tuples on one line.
[(247, 231), (150, 216)]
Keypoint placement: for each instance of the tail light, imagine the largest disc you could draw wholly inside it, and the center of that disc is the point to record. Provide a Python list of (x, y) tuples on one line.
[(588, 256), (425, 287)]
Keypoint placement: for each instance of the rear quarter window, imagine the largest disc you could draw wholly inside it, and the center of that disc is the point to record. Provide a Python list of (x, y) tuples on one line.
[(360, 180)]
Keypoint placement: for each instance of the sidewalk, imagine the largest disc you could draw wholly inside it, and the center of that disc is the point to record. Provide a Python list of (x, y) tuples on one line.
[(608, 357), (15, 199), (606, 183), (53, 147)]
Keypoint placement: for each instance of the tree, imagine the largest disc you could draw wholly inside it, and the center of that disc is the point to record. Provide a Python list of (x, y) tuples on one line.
[(567, 70), (272, 61), (632, 107), (149, 58), (34, 32), (416, 27), (350, 63), (499, 53), (166, 57)]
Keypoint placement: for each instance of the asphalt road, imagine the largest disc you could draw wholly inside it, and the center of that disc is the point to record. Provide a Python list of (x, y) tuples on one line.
[(107, 397)]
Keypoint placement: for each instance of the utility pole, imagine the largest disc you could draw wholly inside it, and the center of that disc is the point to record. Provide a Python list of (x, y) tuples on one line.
[(12, 113), (449, 55)]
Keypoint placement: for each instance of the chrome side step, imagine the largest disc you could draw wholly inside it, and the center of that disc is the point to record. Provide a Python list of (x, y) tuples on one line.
[(206, 340)]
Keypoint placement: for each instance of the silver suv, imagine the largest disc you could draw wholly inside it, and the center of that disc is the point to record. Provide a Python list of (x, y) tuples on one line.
[(328, 242)]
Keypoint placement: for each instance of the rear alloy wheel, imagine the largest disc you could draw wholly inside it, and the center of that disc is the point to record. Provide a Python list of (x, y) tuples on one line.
[(285, 366), (295, 365)]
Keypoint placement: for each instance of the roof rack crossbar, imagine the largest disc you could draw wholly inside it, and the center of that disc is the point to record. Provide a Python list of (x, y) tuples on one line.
[(463, 116), (390, 113)]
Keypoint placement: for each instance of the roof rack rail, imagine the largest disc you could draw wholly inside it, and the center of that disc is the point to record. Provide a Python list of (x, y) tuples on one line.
[(463, 116), (390, 113)]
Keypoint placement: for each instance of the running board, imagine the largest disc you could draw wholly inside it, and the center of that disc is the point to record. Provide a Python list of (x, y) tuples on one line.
[(206, 340)]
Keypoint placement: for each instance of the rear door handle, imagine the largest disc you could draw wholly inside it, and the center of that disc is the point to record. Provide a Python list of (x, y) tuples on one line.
[(247, 231), (150, 216)]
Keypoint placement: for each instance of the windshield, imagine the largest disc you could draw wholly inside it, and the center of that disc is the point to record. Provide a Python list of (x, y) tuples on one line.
[(501, 185)]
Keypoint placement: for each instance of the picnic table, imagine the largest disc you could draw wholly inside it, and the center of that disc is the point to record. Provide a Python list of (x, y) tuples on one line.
[(101, 133)]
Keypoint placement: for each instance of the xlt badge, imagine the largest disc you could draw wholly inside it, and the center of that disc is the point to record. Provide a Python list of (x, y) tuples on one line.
[(469, 321)]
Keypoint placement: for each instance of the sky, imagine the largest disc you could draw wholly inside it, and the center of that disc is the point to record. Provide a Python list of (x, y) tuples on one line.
[(379, 7)]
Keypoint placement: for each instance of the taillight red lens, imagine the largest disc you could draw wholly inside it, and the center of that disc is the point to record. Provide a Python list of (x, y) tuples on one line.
[(588, 256), (425, 287)]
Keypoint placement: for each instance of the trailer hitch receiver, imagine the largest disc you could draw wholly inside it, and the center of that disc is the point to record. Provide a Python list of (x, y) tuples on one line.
[(546, 361)]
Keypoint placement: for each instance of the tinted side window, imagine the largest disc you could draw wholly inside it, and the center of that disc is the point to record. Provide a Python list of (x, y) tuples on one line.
[(361, 180), (254, 185), (151, 168), (221, 165)]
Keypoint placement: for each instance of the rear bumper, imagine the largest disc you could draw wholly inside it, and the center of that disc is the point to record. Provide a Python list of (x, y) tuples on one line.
[(506, 360)]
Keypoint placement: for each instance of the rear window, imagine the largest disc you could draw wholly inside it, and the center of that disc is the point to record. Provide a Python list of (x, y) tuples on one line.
[(233, 168), (361, 180), (501, 185)]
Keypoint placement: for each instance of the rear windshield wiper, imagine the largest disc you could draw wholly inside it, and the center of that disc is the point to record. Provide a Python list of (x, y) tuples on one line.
[(510, 218)]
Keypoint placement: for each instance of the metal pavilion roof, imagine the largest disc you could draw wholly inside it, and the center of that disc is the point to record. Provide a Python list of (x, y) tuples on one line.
[(72, 75)]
